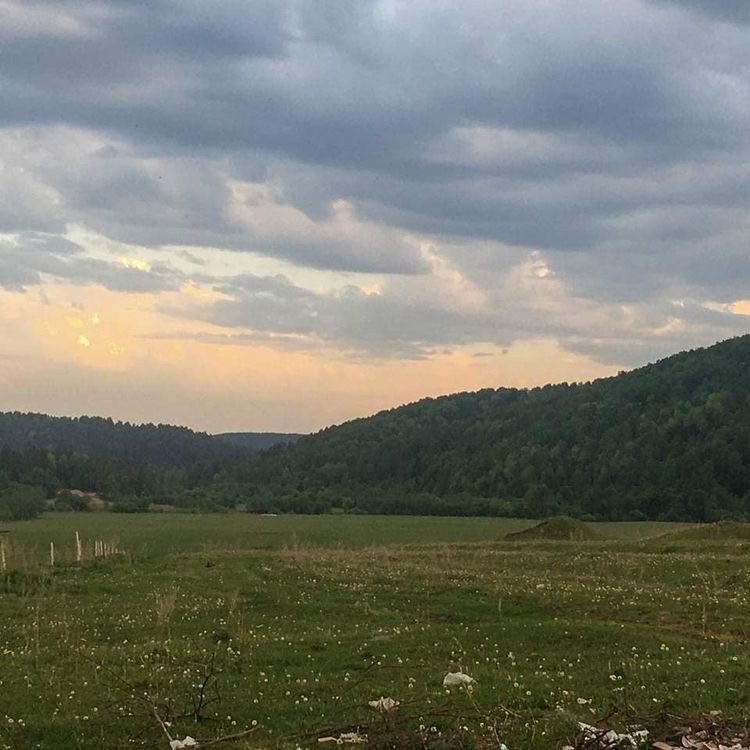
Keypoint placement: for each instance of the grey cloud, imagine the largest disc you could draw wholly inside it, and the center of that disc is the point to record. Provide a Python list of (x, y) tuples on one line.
[(48, 36), (25, 259), (179, 200), (317, 99), (415, 321), (112, 276), (14, 278), (611, 137), (274, 307), (734, 11)]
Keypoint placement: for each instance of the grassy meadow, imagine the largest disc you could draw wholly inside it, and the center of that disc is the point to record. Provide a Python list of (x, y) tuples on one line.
[(213, 625)]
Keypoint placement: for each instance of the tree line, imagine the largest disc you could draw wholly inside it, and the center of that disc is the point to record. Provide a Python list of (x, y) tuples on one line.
[(668, 441)]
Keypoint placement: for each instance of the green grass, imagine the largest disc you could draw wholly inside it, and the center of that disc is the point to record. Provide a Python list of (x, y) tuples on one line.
[(168, 533), (308, 618)]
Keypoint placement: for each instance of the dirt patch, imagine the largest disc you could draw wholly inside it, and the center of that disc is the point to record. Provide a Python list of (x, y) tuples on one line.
[(560, 528)]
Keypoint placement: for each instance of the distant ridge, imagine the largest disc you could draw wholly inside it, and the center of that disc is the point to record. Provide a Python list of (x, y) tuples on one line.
[(157, 444)]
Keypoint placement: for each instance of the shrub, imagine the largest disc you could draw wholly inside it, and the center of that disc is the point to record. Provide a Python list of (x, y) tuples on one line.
[(20, 502)]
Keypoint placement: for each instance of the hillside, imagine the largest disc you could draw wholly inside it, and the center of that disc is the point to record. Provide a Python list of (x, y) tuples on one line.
[(132, 465), (257, 441), (670, 440), (162, 445)]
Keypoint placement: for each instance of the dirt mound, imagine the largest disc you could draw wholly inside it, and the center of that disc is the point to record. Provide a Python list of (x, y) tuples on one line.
[(730, 530), (558, 528)]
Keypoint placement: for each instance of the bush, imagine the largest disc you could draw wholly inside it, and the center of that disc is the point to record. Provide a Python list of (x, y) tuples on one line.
[(20, 502), (67, 501), (130, 504)]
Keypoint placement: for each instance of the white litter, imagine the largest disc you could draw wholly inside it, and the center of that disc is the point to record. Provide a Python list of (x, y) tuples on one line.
[(383, 705), (458, 679), (180, 744), (346, 738), (610, 739)]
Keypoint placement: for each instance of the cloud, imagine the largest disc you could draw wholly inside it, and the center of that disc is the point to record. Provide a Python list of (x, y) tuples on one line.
[(338, 240), (453, 153), (419, 317), (26, 258), (179, 200), (732, 11)]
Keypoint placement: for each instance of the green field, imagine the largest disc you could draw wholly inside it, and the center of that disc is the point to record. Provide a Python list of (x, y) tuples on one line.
[(295, 623)]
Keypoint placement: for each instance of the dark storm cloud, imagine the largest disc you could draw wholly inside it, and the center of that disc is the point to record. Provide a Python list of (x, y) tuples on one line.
[(733, 11), (343, 85), (612, 138)]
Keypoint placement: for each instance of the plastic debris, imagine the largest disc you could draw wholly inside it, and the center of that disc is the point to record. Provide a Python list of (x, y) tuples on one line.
[(345, 738), (384, 705), (180, 744), (458, 679), (594, 738)]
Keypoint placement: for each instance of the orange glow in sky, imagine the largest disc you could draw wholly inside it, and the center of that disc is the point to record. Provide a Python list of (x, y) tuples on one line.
[(258, 219), (75, 350)]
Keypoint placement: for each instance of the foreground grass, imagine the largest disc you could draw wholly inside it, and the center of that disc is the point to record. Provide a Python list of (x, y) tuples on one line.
[(306, 619)]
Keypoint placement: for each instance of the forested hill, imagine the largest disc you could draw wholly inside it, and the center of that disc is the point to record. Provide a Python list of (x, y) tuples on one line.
[(131, 466), (160, 445), (669, 440)]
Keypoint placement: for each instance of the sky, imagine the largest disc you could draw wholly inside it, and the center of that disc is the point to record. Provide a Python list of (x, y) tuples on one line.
[(282, 214)]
